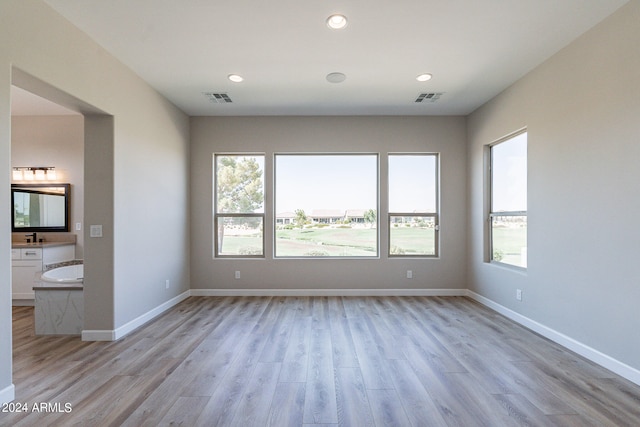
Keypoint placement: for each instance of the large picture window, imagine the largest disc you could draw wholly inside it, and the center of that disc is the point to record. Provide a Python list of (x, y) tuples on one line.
[(326, 205), (508, 213), (413, 205), (239, 205)]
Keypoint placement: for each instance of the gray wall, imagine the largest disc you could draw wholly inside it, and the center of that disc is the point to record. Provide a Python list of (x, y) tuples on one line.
[(6, 386), (581, 109), (136, 162), (582, 112), (54, 141), (445, 135)]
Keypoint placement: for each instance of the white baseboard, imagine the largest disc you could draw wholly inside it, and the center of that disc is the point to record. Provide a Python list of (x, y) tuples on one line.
[(7, 394), (113, 335), (98, 335), (23, 302), (592, 354), (326, 292)]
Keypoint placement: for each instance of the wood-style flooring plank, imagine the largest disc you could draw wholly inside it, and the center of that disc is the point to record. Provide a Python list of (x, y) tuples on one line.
[(184, 412), (320, 404), (344, 352), (353, 400), (386, 408), (418, 404), (296, 357), (374, 366), (255, 405), (310, 361), (287, 408)]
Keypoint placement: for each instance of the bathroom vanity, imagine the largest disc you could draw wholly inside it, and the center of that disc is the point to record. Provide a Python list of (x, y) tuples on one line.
[(40, 234), (28, 260)]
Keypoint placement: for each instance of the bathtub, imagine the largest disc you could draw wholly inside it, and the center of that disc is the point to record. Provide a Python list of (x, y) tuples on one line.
[(59, 299), (65, 274)]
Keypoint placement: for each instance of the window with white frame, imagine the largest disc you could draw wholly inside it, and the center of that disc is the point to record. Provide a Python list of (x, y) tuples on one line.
[(508, 211), (326, 205), (413, 205), (239, 205)]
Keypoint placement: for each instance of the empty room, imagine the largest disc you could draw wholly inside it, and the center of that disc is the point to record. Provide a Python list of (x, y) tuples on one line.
[(421, 213)]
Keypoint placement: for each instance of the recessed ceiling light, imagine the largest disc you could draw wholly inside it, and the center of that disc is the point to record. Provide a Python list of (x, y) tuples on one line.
[(235, 78), (337, 21), (336, 77), (424, 77)]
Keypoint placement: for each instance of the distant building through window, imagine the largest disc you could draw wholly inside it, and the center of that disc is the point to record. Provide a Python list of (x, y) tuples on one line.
[(413, 205), (326, 205)]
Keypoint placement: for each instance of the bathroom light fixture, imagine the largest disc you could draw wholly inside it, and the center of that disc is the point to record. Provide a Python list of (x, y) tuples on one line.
[(424, 77), (337, 21), (51, 174), (236, 78), (34, 173)]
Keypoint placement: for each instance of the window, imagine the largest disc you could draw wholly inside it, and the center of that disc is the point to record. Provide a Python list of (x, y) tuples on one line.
[(326, 205), (413, 205), (508, 212), (239, 205)]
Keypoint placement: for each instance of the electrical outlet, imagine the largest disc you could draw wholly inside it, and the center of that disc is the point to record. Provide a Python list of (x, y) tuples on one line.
[(166, 284), (237, 274), (409, 274), (519, 294)]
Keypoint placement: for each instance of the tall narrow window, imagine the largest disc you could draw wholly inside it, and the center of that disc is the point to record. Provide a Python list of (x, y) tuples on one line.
[(239, 205), (508, 215), (326, 205), (413, 205)]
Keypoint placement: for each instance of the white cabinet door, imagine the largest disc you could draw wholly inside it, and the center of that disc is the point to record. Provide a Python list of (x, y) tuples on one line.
[(23, 278)]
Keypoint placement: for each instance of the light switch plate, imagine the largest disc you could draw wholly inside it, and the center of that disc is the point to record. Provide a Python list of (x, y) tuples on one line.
[(95, 231)]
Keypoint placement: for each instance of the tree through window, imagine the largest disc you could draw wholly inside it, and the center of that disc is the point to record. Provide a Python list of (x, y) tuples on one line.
[(239, 205)]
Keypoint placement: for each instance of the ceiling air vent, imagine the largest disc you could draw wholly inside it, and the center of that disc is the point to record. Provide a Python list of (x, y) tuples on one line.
[(428, 97), (217, 98)]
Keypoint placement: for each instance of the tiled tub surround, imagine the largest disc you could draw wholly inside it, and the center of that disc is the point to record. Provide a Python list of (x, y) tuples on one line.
[(59, 307), (59, 311), (62, 264)]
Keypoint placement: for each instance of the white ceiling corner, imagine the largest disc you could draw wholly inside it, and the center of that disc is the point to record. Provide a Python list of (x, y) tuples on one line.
[(284, 50)]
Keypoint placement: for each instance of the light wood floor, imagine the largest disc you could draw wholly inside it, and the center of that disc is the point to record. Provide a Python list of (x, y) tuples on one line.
[(256, 361)]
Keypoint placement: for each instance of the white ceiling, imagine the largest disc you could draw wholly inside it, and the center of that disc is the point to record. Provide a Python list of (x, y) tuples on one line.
[(284, 50)]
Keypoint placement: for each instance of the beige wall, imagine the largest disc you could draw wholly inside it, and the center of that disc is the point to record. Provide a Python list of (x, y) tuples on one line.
[(581, 109), (6, 385), (445, 135), (54, 141), (582, 112), (136, 163)]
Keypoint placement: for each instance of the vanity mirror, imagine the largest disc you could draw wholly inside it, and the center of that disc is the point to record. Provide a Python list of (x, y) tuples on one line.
[(40, 207)]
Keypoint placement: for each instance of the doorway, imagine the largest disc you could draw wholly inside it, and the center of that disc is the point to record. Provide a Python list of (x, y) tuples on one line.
[(49, 117)]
